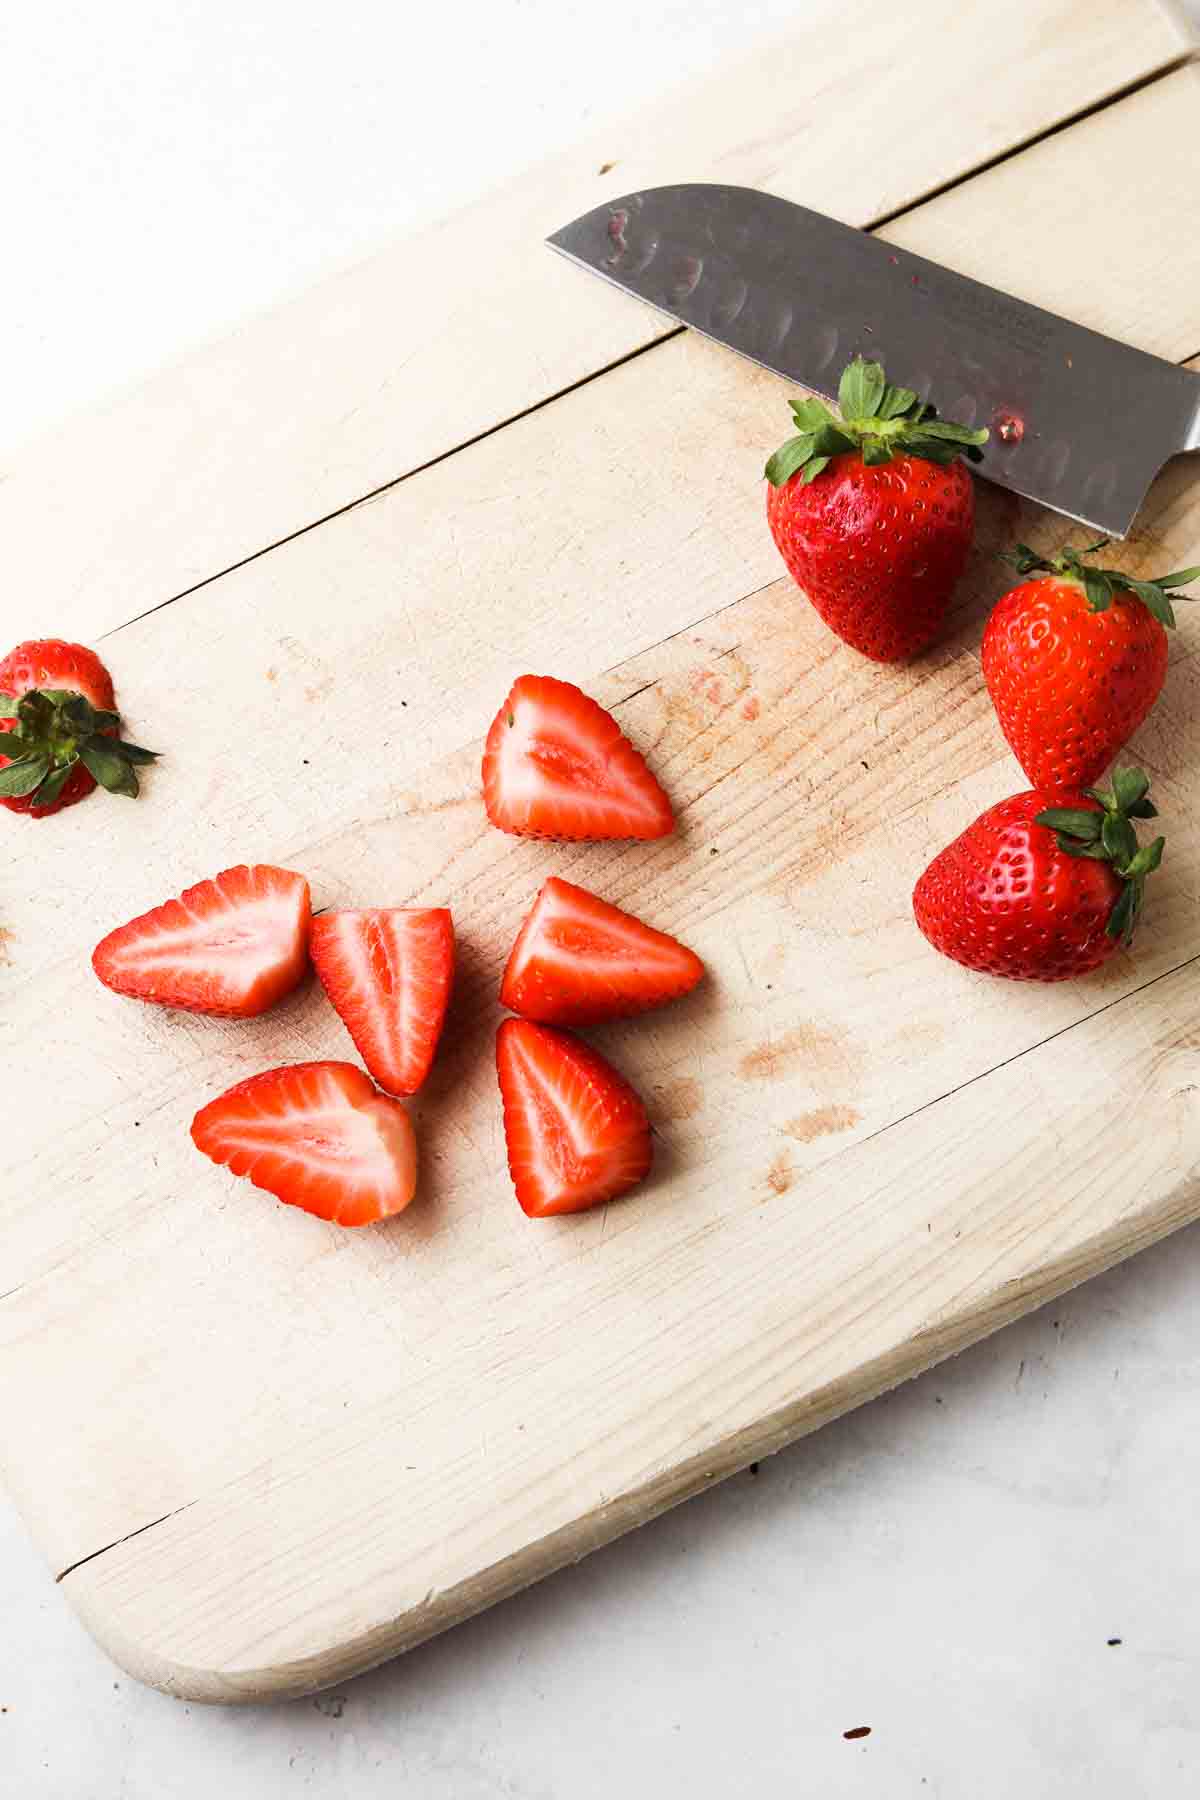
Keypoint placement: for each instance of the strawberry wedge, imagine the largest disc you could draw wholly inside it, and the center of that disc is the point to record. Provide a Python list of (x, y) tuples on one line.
[(580, 959), (233, 945), (388, 971), (317, 1135), (577, 1133), (556, 765)]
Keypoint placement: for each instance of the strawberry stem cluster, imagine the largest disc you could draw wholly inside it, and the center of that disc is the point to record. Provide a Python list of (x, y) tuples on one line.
[(1108, 836), (55, 730), (877, 419), (1103, 585)]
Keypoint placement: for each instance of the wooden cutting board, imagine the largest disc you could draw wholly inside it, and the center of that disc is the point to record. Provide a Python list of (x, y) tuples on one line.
[(262, 1454)]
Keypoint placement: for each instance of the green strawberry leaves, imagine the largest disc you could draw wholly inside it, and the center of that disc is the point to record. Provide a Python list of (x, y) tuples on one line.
[(1119, 839), (109, 768), (861, 389), (55, 730), (894, 402), (811, 414), (789, 457), (20, 778), (1103, 585), (879, 420), (1123, 916), (1108, 836), (1130, 788), (1080, 826)]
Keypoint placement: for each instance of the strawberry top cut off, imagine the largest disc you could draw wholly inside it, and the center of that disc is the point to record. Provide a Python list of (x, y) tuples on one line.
[(874, 513), (557, 765), (60, 729)]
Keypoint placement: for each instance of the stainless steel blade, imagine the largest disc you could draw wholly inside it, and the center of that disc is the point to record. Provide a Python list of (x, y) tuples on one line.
[(1078, 421)]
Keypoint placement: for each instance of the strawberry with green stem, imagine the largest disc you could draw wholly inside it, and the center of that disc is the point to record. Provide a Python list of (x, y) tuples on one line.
[(1074, 658), (874, 513), (60, 729), (1043, 886)]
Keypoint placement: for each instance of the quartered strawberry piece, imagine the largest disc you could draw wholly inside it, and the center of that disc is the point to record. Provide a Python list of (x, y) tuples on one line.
[(317, 1135), (233, 945), (557, 765), (577, 1133), (388, 971), (579, 959)]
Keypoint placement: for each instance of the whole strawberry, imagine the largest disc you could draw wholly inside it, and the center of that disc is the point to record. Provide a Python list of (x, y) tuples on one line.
[(1043, 886), (874, 514), (1074, 659), (56, 711)]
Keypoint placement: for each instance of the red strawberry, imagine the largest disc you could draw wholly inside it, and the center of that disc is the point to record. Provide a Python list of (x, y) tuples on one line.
[(56, 705), (388, 971), (578, 960), (557, 765), (1074, 659), (874, 514), (316, 1135), (577, 1133), (1043, 886), (233, 945)]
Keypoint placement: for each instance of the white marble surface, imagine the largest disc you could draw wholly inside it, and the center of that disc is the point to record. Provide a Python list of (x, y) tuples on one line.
[(945, 1566)]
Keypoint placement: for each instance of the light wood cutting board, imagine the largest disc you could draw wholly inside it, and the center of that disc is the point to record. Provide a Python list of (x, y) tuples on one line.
[(262, 1454)]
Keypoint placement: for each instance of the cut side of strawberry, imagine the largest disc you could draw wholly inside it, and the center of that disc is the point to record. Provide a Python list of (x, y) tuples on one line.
[(317, 1135), (388, 971), (577, 1133), (579, 959), (233, 945), (557, 765)]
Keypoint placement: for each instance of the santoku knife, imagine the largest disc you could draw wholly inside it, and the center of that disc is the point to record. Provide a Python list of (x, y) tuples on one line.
[(1078, 421)]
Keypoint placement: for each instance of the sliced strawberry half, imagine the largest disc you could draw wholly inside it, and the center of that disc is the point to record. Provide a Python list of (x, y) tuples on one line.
[(388, 971), (577, 1133), (233, 945), (317, 1135), (579, 959), (557, 765)]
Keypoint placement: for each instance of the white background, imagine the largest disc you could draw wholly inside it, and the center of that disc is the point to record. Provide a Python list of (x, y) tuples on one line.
[(945, 1566)]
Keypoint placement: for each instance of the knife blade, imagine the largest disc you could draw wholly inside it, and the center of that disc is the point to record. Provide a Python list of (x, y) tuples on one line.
[(1078, 421)]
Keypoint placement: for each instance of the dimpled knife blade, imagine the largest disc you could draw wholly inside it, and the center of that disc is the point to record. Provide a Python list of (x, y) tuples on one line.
[(1078, 421)]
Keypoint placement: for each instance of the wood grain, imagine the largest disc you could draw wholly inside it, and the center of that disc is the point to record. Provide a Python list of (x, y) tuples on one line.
[(704, 1357), (405, 357), (282, 1452)]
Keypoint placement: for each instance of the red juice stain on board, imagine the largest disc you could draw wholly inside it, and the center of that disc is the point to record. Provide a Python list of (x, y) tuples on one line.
[(1010, 427)]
